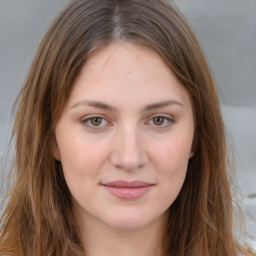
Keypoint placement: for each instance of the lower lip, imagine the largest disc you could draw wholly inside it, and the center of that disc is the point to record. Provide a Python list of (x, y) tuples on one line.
[(128, 193)]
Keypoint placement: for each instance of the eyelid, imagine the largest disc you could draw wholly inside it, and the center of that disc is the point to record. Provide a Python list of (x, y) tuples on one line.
[(86, 119), (167, 117)]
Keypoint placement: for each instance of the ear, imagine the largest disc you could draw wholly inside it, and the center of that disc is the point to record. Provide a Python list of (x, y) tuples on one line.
[(191, 154), (194, 146), (56, 151)]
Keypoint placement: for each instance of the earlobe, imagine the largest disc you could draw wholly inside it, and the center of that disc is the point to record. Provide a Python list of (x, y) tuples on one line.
[(194, 145), (56, 152)]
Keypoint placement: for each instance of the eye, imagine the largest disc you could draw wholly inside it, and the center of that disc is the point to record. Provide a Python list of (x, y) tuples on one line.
[(95, 122), (161, 121)]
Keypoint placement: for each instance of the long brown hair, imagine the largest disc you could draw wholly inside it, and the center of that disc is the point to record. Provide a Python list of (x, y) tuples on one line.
[(37, 219)]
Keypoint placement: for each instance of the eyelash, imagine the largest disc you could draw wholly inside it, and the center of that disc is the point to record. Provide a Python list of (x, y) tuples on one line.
[(87, 122), (167, 120)]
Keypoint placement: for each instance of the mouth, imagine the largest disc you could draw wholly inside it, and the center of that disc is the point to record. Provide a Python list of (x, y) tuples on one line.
[(128, 190)]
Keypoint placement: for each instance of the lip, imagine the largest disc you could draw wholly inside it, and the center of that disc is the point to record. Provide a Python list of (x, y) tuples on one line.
[(128, 190)]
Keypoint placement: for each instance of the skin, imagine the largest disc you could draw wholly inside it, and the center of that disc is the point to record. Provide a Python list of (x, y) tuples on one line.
[(129, 141)]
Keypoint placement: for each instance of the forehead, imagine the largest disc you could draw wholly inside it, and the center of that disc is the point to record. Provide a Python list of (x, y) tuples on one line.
[(127, 71), (128, 58)]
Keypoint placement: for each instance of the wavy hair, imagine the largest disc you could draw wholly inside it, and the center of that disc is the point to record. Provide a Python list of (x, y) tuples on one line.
[(37, 219)]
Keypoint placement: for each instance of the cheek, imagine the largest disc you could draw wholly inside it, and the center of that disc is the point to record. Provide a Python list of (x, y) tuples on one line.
[(81, 157), (174, 152), (172, 160), (82, 163), (171, 166)]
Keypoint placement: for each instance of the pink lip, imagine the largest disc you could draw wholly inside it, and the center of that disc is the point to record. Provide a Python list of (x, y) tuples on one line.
[(128, 189)]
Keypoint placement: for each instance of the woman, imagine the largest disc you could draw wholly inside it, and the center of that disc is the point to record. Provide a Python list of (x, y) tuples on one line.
[(120, 144)]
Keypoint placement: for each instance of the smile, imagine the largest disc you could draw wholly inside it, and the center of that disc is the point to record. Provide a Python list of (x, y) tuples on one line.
[(128, 190)]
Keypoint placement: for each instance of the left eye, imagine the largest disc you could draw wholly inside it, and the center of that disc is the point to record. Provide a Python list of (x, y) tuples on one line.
[(161, 121), (95, 122)]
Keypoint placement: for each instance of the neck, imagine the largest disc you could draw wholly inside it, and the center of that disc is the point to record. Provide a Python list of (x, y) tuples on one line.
[(101, 240)]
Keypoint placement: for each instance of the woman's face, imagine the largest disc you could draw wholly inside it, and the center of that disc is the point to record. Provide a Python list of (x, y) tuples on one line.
[(125, 138)]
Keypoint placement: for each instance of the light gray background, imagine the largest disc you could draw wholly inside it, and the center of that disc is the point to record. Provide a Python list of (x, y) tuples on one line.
[(225, 28)]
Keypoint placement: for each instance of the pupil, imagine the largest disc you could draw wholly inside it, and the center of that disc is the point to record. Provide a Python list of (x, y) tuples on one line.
[(158, 120), (96, 121)]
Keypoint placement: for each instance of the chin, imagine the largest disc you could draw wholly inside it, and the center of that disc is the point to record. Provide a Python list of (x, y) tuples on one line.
[(130, 221), (127, 225)]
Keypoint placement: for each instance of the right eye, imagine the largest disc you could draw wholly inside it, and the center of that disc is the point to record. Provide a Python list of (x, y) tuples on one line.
[(95, 122)]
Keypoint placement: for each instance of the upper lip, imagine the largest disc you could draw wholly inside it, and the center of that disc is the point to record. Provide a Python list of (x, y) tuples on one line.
[(127, 184)]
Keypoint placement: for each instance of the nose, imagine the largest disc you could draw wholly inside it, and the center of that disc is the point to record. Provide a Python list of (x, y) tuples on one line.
[(129, 151)]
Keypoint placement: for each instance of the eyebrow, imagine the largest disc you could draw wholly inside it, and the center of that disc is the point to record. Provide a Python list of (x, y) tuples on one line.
[(95, 104), (104, 106), (162, 104)]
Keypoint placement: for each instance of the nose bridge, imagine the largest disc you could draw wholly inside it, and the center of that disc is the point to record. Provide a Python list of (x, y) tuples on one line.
[(129, 152), (130, 142)]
